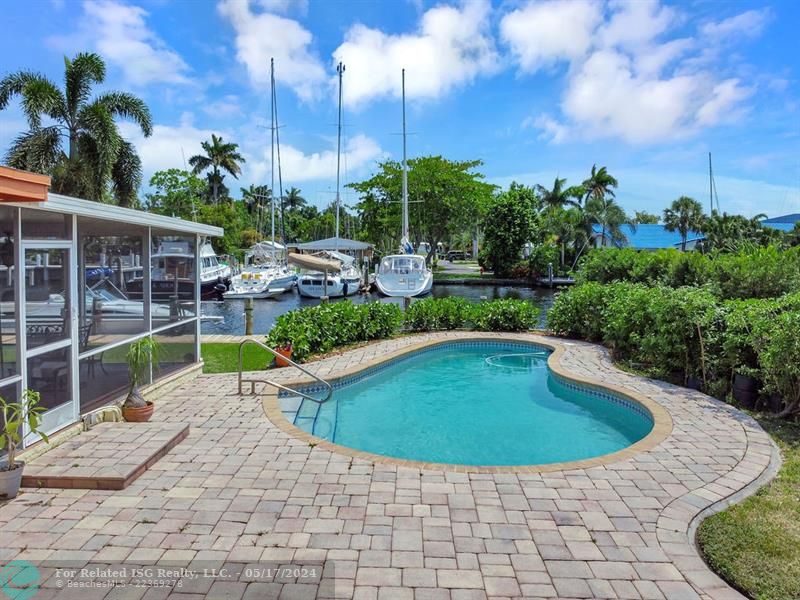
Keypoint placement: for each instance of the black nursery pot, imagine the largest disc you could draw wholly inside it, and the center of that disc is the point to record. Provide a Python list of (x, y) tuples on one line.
[(745, 390), (775, 403), (694, 383)]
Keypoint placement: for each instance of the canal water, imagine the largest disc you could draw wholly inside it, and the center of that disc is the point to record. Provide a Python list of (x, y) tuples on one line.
[(266, 311)]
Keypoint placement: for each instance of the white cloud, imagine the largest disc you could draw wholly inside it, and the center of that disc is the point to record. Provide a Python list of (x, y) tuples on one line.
[(264, 35), (284, 7), (625, 80), (119, 32), (543, 33), (359, 152), (451, 47), (750, 24), (224, 107), (169, 145), (550, 128)]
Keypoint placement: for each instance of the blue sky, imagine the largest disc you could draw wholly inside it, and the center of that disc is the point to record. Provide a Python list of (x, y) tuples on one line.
[(533, 88)]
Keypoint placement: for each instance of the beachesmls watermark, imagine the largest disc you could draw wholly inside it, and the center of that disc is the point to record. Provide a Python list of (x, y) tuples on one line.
[(23, 580)]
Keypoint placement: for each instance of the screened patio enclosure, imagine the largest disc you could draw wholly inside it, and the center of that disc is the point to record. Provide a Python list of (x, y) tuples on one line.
[(76, 281)]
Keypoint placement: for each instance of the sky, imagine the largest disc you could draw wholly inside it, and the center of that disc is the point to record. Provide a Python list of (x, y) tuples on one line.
[(534, 88)]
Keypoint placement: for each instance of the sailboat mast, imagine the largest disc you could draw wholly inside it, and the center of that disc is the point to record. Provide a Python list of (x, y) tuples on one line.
[(340, 71), (710, 185), (405, 167), (272, 145)]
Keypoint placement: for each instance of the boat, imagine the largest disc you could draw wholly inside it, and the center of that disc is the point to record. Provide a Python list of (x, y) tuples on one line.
[(265, 274), (336, 276), (172, 273), (405, 274)]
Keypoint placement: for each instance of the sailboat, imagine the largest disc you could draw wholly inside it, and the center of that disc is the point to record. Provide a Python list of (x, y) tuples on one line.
[(331, 274), (404, 274), (266, 273)]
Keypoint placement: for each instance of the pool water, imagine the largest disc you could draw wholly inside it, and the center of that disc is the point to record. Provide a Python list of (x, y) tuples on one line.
[(473, 403)]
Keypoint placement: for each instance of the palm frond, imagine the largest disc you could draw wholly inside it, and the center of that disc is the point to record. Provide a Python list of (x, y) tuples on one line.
[(80, 73), (126, 175), (128, 106), (38, 150), (40, 96)]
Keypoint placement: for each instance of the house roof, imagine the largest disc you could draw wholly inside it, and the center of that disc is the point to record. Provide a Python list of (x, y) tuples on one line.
[(331, 244), (99, 210), (650, 236)]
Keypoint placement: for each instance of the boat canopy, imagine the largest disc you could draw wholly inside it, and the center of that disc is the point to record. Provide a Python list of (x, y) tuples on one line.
[(314, 263)]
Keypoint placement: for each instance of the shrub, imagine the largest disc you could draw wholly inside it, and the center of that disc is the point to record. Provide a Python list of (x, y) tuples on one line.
[(579, 312), (505, 315), (754, 272), (541, 256), (779, 359), (321, 328), (627, 318), (434, 314)]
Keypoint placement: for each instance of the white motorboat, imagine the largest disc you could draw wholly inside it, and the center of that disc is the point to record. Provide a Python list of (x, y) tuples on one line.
[(405, 274), (172, 273)]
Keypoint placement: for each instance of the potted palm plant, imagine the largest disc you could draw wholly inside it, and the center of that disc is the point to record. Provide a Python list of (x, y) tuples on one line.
[(141, 354), (14, 415)]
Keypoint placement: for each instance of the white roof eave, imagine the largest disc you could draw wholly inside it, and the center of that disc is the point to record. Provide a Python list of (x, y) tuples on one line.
[(109, 212)]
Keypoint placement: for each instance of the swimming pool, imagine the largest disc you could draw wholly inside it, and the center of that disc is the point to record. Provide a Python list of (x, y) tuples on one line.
[(482, 403)]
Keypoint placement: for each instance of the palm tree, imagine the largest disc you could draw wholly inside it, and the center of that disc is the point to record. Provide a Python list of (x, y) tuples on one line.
[(560, 196), (97, 159), (293, 200), (684, 215), (219, 156), (599, 184), (610, 216)]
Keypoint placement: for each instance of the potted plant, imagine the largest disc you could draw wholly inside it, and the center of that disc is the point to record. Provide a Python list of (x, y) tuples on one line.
[(141, 354), (14, 414), (286, 351)]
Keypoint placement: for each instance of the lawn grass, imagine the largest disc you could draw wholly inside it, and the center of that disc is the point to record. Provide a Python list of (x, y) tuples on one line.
[(224, 358), (755, 545)]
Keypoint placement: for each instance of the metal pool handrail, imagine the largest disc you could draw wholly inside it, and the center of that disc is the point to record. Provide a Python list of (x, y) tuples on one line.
[(325, 384)]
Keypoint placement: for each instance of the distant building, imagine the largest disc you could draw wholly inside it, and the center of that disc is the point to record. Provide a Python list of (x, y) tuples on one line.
[(647, 237)]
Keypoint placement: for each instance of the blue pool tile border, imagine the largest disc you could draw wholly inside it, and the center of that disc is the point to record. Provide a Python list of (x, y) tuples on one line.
[(595, 392)]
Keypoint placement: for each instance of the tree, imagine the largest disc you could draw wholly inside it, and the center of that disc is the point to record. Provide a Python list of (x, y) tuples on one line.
[(508, 226), (564, 226), (642, 217), (610, 216), (219, 156), (599, 185), (445, 197), (293, 199), (730, 232), (175, 193), (684, 215), (560, 196), (97, 162)]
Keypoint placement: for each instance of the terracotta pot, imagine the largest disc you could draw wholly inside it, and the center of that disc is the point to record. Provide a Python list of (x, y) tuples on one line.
[(287, 352), (10, 480), (138, 415)]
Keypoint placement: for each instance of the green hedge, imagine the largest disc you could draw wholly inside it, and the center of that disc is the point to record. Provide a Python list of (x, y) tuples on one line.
[(677, 333), (435, 314), (753, 273), (322, 328)]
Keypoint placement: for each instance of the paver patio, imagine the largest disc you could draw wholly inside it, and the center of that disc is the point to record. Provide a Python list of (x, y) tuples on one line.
[(239, 490)]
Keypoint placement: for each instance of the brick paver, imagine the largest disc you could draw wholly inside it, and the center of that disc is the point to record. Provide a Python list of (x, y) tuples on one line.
[(240, 492)]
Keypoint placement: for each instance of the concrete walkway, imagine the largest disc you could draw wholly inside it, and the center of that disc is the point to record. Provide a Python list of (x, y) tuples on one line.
[(241, 492)]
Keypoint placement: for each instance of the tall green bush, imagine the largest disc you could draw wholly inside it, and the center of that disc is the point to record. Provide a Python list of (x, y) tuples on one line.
[(321, 328), (434, 314), (580, 311), (505, 315)]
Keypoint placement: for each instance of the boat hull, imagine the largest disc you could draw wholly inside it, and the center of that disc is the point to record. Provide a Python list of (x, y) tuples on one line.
[(404, 287)]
